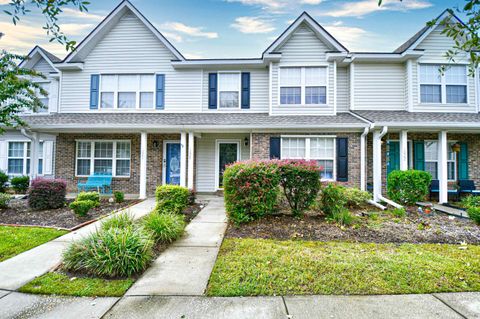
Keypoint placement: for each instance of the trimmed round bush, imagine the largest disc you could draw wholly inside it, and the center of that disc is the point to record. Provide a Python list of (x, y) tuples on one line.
[(47, 194), (4, 200), (92, 196), (171, 198), (300, 181), (408, 187), (165, 228), (20, 184), (82, 207), (474, 214), (116, 252), (251, 189), (122, 220), (3, 181), (119, 196)]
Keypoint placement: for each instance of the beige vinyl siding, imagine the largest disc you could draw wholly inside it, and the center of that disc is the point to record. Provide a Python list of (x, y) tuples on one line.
[(205, 158), (434, 46), (303, 46), (343, 89), (258, 89), (379, 86), (130, 47)]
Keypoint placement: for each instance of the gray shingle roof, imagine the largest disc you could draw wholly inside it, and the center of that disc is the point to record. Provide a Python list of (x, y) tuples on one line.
[(52, 57), (419, 117), (207, 120)]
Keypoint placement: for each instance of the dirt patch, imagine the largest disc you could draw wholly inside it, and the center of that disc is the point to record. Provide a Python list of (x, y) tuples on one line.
[(383, 228), (19, 213)]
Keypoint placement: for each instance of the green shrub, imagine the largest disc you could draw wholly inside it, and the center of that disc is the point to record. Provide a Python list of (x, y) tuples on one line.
[(471, 201), (20, 184), (474, 214), (300, 181), (4, 200), (332, 199), (251, 189), (355, 197), (398, 212), (171, 198), (408, 187), (119, 197), (121, 220), (47, 194), (116, 252), (341, 216), (3, 181), (166, 227), (82, 207), (92, 196)]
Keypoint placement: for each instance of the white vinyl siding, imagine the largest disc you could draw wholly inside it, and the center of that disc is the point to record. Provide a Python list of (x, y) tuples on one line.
[(343, 89), (43, 67), (379, 86)]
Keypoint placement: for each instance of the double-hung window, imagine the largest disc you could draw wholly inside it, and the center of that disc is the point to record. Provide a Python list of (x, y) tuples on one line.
[(449, 87), (44, 99), (127, 91), (303, 85), (431, 160), (18, 158), (229, 90), (103, 158), (319, 149)]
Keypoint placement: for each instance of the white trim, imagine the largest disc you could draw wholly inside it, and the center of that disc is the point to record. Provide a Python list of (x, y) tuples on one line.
[(409, 66), (270, 87), (183, 159), (217, 156), (352, 85), (36, 50), (191, 160), (334, 87), (143, 165), (164, 158)]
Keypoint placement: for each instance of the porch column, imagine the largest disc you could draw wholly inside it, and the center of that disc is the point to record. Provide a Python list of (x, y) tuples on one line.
[(183, 158), (143, 165), (191, 152), (403, 151), (377, 165), (442, 167)]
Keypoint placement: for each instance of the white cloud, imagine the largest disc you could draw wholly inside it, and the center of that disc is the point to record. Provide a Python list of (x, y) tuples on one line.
[(277, 6), (73, 13), (173, 36), (311, 2), (194, 55), (75, 28), (188, 30), (364, 7), (252, 25), (3, 2), (355, 38)]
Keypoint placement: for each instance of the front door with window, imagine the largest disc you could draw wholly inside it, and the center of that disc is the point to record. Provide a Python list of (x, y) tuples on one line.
[(228, 153), (171, 162)]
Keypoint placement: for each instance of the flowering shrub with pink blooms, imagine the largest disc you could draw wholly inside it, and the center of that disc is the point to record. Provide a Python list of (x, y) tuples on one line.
[(251, 189), (47, 193), (300, 181)]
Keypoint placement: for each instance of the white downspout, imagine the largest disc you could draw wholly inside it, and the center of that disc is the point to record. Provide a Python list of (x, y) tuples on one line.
[(33, 153), (363, 158)]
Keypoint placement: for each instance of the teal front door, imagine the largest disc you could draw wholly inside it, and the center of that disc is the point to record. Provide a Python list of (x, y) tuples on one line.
[(227, 154), (393, 163)]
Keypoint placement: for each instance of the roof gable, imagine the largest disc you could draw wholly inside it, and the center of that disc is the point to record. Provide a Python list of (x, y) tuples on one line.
[(36, 55), (87, 45)]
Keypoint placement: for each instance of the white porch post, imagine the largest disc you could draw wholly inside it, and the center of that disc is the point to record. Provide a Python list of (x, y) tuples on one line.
[(183, 158), (191, 154), (442, 167), (34, 145), (403, 151), (377, 165), (143, 165)]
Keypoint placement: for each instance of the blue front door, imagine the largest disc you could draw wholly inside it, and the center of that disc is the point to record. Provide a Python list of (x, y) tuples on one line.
[(172, 165)]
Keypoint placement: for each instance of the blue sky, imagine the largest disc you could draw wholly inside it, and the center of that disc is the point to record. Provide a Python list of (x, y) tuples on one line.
[(241, 28)]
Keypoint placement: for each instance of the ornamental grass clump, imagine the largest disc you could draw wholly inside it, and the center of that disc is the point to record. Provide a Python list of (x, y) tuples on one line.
[(166, 227), (408, 187), (121, 220), (251, 189)]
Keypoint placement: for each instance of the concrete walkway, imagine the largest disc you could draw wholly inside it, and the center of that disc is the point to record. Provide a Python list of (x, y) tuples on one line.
[(23, 268), (184, 268)]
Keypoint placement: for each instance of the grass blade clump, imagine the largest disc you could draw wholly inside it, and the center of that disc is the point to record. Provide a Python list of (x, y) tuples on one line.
[(166, 227)]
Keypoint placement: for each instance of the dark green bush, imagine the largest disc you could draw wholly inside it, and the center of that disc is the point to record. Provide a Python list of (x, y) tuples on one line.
[(332, 199), (119, 196), (82, 207), (171, 198), (121, 220), (471, 201), (300, 181), (20, 184), (116, 252), (408, 187), (47, 194), (3, 181), (92, 196), (474, 214), (251, 189), (166, 227), (4, 200)]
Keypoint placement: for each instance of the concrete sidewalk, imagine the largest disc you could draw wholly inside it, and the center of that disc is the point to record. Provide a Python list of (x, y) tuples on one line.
[(184, 268), (21, 269)]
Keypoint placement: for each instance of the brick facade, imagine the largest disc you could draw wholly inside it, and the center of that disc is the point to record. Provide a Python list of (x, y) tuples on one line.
[(261, 150)]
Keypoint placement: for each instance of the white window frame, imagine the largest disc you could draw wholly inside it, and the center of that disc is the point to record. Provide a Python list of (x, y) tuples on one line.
[(303, 84), (239, 73), (92, 157), (307, 151), (443, 85), (25, 157), (454, 161), (136, 90)]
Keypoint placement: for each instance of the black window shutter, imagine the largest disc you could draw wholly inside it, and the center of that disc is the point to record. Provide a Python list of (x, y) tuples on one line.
[(212, 90), (245, 90), (342, 159), (274, 147)]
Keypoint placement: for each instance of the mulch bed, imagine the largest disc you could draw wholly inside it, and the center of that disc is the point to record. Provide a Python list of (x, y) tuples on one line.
[(415, 228), (19, 213)]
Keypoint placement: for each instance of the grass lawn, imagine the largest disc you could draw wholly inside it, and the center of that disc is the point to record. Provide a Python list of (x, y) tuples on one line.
[(61, 284), (249, 267), (14, 240)]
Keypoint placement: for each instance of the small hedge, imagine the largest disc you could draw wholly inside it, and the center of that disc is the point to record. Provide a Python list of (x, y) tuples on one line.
[(20, 184), (82, 207), (3, 181), (4, 200), (408, 187), (166, 227), (47, 194), (119, 196), (92, 196), (171, 198), (474, 214), (251, 189)]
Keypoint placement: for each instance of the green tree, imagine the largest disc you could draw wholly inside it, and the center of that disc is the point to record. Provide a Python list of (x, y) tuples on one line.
[(17, 90)]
